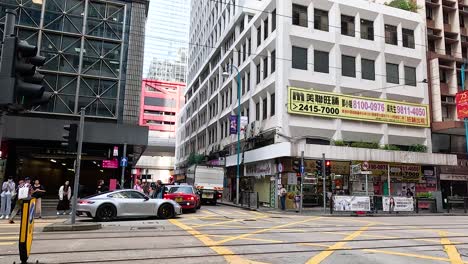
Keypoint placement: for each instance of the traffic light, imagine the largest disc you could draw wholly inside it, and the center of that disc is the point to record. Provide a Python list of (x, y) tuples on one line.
[(21, 83), (318, 167), (70, 136), (296, 166), (327, 167)]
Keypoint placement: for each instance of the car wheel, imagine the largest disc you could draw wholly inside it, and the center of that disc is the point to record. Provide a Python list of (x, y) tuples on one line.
[(199, 206), (106, 212), (166, 211)]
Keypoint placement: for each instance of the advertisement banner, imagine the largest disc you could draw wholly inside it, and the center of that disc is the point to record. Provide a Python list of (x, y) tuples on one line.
[(232, 125), (462, 104), (110, 164), (334, 105), (397, 204), (398, 172), (351, 203)]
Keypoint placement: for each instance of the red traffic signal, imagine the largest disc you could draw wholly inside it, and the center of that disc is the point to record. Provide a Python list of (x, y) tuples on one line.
[(327, 163)]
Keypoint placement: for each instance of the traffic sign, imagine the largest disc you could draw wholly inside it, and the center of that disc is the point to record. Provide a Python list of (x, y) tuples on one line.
[(124, 162), (280, 167), (365, 165), (302, 169)]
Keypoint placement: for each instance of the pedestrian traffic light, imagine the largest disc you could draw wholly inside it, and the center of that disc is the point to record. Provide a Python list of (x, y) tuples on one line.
[(296, 166), (70, 136), (327, 167), (318, 167), (21, 83)]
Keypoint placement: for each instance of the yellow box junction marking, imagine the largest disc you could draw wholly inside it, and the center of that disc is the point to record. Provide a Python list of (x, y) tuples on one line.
[(450, 249), (340, 245)]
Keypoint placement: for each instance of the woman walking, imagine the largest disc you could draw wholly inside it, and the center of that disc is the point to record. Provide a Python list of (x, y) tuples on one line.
[(7, 193), (38, 192), (64, 199)]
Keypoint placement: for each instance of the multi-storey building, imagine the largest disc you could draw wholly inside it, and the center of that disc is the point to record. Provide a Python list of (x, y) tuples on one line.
[(166, 40), (160, 103), (94, 59), (342, 78), (447, 51)]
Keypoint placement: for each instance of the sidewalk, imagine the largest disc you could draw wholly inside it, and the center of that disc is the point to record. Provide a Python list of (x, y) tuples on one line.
[(318, 211)]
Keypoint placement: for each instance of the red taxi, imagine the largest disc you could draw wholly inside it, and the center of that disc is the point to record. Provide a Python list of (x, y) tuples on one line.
[(185, 195)]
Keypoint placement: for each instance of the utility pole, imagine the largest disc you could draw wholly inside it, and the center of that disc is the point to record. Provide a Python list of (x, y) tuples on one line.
[(324, 183), (122, 179), (78, 166), (302, 180)]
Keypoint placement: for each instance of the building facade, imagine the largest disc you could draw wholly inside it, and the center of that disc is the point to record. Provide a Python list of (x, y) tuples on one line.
[(94, 58), (166, 40), (447, 51), (346, 79)]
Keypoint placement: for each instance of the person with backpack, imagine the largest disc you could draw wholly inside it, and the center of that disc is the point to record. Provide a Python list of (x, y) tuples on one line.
[(283, 193)]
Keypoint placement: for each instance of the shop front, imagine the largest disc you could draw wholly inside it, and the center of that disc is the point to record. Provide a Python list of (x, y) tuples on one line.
[(260, 178)]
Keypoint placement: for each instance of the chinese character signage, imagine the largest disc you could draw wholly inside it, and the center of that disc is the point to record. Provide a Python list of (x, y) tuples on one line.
[(462, 104), (110, 164), (233, 125), (334, 105)]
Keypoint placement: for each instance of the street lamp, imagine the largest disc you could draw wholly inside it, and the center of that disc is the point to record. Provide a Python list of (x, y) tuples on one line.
[(227, 74)]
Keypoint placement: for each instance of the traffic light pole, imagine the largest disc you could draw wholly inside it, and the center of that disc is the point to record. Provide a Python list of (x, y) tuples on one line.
[(324, 176), (302, 180), (122, 179), (78, 166)]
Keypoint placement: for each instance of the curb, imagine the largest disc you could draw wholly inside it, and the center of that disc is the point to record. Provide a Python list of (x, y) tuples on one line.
[(60, 227), (238, 206)]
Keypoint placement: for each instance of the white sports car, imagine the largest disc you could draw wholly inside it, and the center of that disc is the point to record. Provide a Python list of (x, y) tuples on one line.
[(126, 204)]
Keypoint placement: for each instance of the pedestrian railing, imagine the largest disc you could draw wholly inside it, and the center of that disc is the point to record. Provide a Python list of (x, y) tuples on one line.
[(457, 201)]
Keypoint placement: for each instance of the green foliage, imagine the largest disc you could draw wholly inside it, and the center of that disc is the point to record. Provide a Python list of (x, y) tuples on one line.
[(418, 148), (195, 159), (340, 143), (408, 5), (424, 195), (391, 147), (369, 145)]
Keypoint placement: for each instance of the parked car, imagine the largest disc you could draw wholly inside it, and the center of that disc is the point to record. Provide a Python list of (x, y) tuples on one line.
[(126, 204), (185, 195)]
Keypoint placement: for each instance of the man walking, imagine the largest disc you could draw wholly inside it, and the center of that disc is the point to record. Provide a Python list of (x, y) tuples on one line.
[(24, 192)]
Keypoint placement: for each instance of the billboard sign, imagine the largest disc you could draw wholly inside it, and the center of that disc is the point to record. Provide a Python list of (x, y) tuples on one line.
[(462, 104), (335, 105), (110, 164)]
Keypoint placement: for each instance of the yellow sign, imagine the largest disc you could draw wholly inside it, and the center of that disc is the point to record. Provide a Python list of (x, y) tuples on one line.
[(26, 228), (333, 105)]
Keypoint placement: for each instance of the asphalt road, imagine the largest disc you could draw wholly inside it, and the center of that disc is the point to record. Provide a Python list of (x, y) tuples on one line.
[(229, 235)]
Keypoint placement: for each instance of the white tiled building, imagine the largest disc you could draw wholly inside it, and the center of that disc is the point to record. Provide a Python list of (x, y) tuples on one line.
[(356, 48)]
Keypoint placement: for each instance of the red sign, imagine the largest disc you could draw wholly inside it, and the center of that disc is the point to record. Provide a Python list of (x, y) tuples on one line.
[(110, 164), (462, 104)]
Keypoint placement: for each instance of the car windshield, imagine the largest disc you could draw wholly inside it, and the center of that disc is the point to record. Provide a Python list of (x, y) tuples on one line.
[(181, 190)]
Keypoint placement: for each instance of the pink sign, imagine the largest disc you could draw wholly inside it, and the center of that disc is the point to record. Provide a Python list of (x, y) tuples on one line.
[(110, 164), (112, 184)]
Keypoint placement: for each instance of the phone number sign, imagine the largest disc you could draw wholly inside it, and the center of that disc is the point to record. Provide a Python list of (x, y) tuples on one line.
[(334, 105)]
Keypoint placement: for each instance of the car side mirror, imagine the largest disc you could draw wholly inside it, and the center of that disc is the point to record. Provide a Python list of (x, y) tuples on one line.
[(146, 198)]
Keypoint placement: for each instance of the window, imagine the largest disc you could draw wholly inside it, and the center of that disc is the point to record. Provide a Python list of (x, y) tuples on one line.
[(429, 13), (347, 25), (243, 84), (348, 66), (408, 38), (391, 36), (410, 76), (242, 26), (320, 19), (273, 20), (367, 29), (299, 58), (392, 73), (272, 104), (446, 18), (273, 61), (443, 76), (265, 29), (265, 107), (321, 61), (368, 69), (299, 16), (257, 111), (259, 36), (248, 81), (133, 195), (258, 73), (448, 49)]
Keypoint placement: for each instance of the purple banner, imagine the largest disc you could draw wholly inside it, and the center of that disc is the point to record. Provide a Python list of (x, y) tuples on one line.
[(233, 125), (110, 164)]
